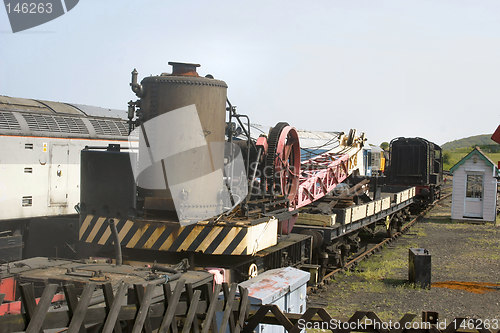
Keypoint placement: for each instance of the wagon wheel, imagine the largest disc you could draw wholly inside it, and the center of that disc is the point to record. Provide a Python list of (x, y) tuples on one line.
[(283, 161)]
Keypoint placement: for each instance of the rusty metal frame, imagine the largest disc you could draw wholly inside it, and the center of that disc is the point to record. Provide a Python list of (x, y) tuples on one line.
[(319, 176)]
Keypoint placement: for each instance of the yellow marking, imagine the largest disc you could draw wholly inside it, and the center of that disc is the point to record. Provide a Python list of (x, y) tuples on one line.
[(137, 236), (125, 229), (104, 236), (190, 238), (154, 237), (241, 246), (209, 239), (95, 230), (227, 240), (85, 225), (168, 242)]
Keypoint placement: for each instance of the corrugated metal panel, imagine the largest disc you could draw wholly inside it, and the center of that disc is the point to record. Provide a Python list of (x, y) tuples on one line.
[(8, 121), (109, 127), (46, 123), (41, 123), (56, 117), (71, 125)]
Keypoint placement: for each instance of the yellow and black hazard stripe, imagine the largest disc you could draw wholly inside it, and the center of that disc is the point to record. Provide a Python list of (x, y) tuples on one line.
[(209, 239)]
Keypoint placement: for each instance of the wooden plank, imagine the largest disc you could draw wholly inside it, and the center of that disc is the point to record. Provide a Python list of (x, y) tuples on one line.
[(257, 237), (256, 318), (114, 310), (344, 215), (27, 291), (407, 318), (386, 203), (71, 298), (370, 208), (260, 236), (191, 314), (142, 319), (397, 198), (81, 309), (281, 317), (167, 292), (225, 292), (145, 324), (72, 301), (316, 219), (190, 294), (405, 194), (210, 321), (243, 307), (227, 317), (172, 304), (358, 212), (17, 323), (107, 290), (36, 322)]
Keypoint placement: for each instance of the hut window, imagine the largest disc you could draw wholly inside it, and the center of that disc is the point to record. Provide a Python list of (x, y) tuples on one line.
[(474, 186)]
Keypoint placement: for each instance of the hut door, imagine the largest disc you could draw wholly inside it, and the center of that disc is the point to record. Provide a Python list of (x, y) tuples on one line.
[(474, 193)]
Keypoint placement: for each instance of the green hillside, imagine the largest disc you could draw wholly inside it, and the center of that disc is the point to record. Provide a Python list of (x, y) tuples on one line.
[(454, 151), (471, 141)]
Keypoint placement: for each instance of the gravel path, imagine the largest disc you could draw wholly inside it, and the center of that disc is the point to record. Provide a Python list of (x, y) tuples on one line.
[(460, 252)]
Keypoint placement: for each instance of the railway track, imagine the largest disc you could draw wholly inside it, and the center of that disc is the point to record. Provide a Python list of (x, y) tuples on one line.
[(357, 258)]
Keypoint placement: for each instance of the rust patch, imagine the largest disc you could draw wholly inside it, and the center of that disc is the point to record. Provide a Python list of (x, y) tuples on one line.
[(472, 287)]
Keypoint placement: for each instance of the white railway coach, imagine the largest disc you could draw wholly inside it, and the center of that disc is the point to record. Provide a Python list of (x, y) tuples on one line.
[(40, 144)]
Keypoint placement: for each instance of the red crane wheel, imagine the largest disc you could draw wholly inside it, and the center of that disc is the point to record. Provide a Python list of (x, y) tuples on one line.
[(283, 161)]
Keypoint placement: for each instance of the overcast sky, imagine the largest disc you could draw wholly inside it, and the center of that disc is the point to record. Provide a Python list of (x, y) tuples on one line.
[(387, 68)]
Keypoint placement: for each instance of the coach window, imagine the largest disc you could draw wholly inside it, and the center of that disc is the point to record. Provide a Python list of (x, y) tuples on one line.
[(474, 186)]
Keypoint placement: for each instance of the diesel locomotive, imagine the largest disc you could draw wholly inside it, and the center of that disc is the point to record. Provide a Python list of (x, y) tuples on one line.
[(417, 162)]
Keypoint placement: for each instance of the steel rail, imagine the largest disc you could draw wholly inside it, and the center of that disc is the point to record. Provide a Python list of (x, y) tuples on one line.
[(376, 248)]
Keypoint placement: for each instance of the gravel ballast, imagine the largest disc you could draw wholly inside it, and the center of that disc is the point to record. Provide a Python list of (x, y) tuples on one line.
[(464, 256)]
